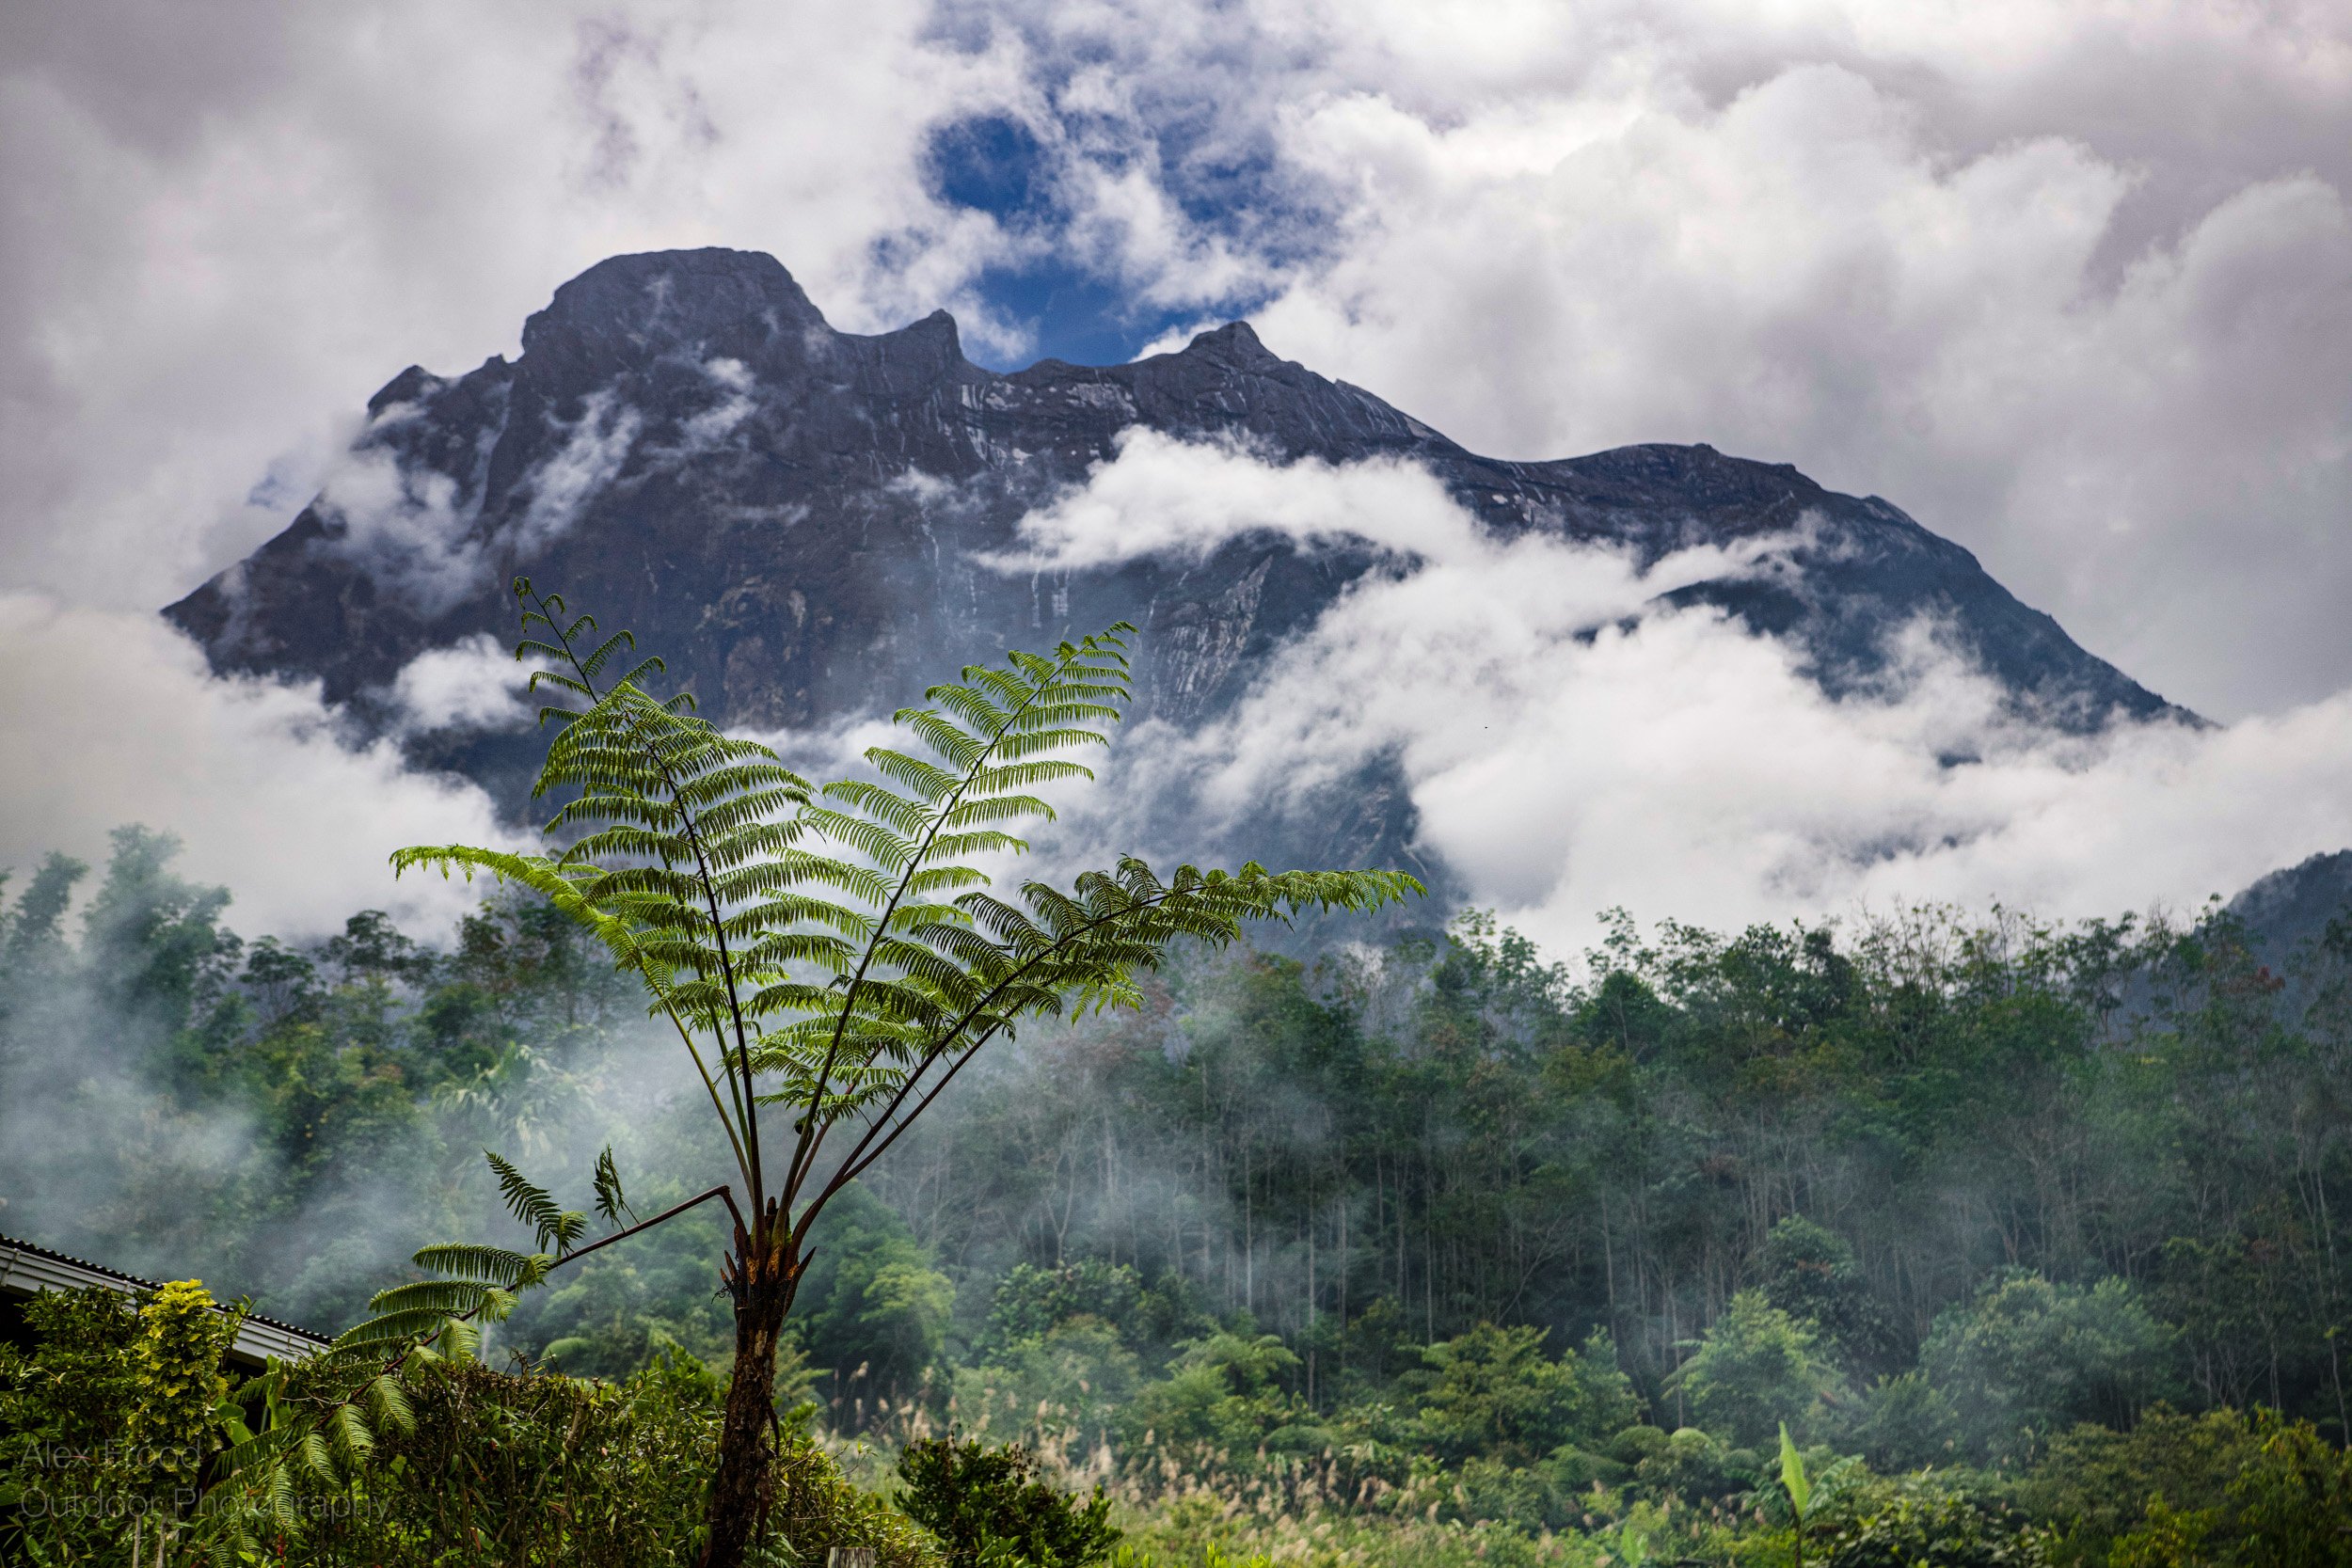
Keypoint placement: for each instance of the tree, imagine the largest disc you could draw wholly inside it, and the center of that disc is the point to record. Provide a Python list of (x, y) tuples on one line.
[(1222, 1396), (1492, 1391), (872, 1309), (834, 953), (1756, 1369), (1810, 1274), (2028, 1358)]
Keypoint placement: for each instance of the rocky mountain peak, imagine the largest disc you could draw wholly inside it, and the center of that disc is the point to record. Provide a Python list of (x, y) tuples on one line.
[(799, 519), (1234, 346), (713, 299)]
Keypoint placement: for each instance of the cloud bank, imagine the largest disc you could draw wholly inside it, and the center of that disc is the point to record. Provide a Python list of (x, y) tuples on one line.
[(2155, 447), (117, 720), (1978, 259), (1572, 745)]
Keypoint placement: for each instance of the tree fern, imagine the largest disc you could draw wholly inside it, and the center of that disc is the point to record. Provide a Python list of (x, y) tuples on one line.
[(836, 955)]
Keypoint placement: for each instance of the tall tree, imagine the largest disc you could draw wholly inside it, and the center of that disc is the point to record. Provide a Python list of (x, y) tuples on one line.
[(836, 954)]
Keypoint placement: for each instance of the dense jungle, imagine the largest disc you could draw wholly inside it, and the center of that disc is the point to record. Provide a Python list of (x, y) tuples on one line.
[(1947, 1236)]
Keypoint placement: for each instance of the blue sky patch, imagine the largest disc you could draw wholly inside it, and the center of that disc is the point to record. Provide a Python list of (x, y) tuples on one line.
[(1072, 308)]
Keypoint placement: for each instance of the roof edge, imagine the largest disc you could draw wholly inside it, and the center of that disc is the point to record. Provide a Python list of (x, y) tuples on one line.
[(27, 1269)]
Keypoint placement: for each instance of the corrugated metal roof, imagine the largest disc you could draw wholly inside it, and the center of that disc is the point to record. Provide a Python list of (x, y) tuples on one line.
[(29, 1270)]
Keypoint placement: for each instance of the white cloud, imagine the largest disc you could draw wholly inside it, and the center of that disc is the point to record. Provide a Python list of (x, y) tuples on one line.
[(714, 424), (2158, 457), (589, 459), (119, 723), (405, 524), (1563, 761), (410, 528), (473, 684), (1162, 496)]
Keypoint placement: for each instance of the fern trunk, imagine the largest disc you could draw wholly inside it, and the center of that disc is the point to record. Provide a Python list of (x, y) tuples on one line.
[(763, 1275)]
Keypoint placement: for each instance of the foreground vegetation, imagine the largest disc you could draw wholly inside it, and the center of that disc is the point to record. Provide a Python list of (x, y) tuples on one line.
[(1428, 1253), (112, 1431)]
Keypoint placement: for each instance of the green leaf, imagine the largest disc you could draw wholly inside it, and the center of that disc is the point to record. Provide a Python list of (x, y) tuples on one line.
[(530, 1204), (1792, 1475), (490, 1265)]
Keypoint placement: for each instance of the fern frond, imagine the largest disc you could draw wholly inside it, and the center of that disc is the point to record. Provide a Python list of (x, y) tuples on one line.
[(452, 1298), (605, 650), (389, 1404), (491, 1264), (415, 1324), (352, 1436), (459, 1341), (556, 1228), (609, 1201), (258, 1449)]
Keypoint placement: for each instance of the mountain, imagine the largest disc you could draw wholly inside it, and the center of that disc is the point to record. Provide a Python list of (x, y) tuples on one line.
[(791, 514), (2291, 908)]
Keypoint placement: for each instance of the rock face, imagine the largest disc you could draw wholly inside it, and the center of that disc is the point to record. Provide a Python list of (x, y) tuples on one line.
[(789, 514)]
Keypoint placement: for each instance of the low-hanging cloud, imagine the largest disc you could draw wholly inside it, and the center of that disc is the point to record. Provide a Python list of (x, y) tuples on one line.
[(420, 533), (2155, 449), (473, 684), (118, 722), (591, 456), (1973, 260), (405, 524), (1573, 745)]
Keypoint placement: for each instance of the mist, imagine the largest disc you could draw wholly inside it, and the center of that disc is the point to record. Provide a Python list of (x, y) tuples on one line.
[(289, 1121)]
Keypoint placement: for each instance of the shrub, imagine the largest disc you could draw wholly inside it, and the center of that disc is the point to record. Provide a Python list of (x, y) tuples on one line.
[(1903, 1423), (1031, 1302), (2099, 1485), (64, 1406), (176, 1380), (117, 1403), (1637, 1443), (2289, 1505), (1222, 1397), (1693, 1466), (1927, 1530), (986, 1505)]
